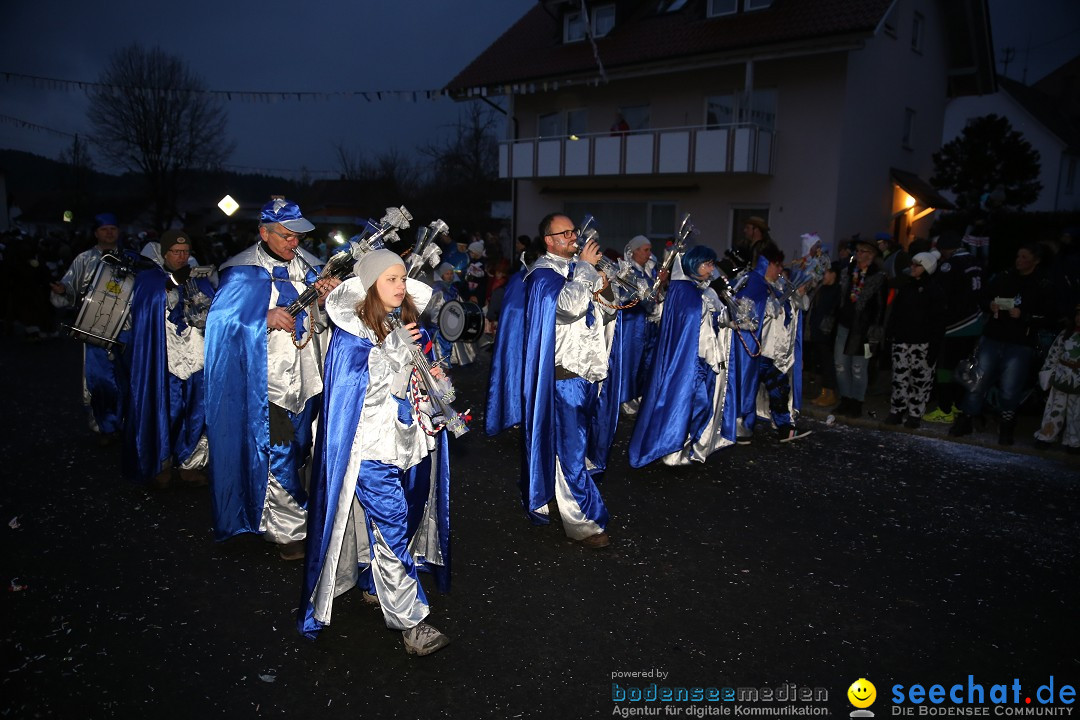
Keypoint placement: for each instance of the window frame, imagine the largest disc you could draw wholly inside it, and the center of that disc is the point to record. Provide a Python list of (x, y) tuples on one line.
[(907, 140), (710, 10), (918, 30)]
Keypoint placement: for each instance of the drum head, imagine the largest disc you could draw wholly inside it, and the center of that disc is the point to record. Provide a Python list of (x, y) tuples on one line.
[(461, 321)]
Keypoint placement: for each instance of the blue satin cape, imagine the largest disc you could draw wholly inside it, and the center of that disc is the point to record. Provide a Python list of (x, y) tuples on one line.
[(743, 368), (504, 383), (677, 403), (166, 415), (237, 400), (537, 483), (606, 419), (345, 372)]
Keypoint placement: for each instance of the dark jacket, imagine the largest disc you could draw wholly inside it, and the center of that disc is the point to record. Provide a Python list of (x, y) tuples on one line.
[(822, 320), (961, 277), (1034, 295), (865, 316), (917, 314)]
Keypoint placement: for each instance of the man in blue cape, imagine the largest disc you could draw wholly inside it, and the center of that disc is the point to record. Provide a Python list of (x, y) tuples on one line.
[(165, 428), (263, 382), (565, 356)]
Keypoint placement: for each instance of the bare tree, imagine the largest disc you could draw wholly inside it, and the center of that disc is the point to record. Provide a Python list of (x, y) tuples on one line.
[(76, 178), (152, 115), (465, 164)]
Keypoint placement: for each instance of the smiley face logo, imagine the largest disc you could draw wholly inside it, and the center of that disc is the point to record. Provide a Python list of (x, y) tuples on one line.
[(862, 693)]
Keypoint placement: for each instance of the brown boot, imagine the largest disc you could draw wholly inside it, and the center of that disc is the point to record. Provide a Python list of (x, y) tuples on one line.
[(826, 399)]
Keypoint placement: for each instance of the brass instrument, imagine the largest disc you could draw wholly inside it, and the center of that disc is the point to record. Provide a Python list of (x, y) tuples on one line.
[(196, 302), (440, 392), (676, 246), (425, 251), (340, 265)]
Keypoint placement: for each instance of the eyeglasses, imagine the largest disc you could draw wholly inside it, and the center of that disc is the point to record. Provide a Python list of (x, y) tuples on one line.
[(565, 234), (292, 236)]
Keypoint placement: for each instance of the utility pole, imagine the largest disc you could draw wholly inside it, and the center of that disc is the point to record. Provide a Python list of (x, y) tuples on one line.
[(1007, 55)]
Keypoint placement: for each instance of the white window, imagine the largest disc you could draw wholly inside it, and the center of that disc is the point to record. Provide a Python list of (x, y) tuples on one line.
[(551, 125), (577, 121), (636, 116), (620, 221), (757, 4), (909, 128), (723, 7), (603, 20), (563, 123), (917, 32), (573, 27), (758, 108)]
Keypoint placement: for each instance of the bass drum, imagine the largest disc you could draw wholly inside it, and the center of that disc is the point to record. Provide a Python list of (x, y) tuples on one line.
[(106, 306), (461, 321)]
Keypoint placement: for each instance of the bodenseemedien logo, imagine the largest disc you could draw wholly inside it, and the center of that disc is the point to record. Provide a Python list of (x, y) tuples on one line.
[(862, 695)]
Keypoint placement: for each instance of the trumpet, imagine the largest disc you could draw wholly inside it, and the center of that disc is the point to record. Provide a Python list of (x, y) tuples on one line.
[(621, 273), (440, 391), (196, 302), (425, 251), (340, 265), (676, 246)]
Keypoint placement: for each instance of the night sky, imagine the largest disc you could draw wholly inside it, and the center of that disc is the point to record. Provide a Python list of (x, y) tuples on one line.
[(328, 47)]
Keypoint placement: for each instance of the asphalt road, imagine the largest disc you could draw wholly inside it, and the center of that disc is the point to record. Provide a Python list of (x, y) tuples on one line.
[(855, 553)]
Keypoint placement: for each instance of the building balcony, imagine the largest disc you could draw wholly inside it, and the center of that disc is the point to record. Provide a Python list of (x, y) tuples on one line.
[(663, 151)]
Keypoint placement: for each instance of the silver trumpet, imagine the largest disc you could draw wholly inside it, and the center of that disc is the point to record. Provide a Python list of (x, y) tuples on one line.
[(678, 245), (340, 265), (440, 391), (426, 251), (621, 273), (196, 302)]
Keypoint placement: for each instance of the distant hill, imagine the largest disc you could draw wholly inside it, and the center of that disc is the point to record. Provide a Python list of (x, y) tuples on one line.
[(44, 188)]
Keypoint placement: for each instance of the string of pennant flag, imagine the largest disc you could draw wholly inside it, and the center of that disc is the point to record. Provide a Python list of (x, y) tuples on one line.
[(48, 83)]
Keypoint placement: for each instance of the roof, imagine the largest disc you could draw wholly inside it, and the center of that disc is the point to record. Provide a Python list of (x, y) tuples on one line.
[(532, 49), (921, 190), (1045, 109)]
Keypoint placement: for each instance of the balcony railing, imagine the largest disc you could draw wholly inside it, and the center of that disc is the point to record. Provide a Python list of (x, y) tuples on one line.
[(662, 151)]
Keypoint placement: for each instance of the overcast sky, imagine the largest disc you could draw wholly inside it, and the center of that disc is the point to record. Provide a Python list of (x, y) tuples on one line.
[(330, 46)]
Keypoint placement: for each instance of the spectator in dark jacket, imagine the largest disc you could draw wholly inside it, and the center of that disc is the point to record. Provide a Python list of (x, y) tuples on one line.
[(1022, 305), (822, 327), (916, 327), (961, 277), (859, 330)]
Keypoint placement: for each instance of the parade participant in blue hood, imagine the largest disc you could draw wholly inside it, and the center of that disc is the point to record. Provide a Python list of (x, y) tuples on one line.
[(681, 409)]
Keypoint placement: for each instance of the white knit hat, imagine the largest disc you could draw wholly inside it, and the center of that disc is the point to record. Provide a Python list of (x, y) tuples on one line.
[(373, 264), (928, 260)]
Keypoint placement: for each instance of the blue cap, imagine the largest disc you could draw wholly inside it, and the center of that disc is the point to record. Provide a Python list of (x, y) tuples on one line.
[(104, 219), (285, 213)]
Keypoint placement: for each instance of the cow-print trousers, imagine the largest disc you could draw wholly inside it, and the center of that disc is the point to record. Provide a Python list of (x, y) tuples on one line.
[(912, 379)]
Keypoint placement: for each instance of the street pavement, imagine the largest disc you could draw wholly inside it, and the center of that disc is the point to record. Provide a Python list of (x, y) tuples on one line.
[(899, 557)]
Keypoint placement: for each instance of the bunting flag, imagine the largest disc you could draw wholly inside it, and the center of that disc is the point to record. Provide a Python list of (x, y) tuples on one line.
[(257, 96), (47, 83)]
